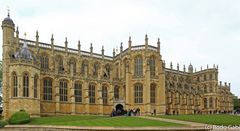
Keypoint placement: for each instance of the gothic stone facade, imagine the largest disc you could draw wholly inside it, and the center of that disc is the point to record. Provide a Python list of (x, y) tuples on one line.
[(46, 79)]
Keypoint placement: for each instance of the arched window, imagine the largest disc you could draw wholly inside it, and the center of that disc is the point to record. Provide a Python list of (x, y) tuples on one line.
[(205, 101), (44, 62), (25, 85), (152, 66), (91, 93), (78, 91), (153, 93), (35, 82), (138, 93), (138, 66), (47, 89), (15, 84), (116, 92), (60, 65), (63, 92), (104, 94), (211, 102)]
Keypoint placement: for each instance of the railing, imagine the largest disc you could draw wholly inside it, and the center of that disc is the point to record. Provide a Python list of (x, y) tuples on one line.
[(44, 45), (152, 48), (85, 53), (138, 47), (75, 51)]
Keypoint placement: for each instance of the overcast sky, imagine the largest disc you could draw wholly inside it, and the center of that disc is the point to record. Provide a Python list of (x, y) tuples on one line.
[(201, 32)]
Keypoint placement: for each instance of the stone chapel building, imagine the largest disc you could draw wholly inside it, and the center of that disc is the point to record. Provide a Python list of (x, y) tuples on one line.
[(47, 79)]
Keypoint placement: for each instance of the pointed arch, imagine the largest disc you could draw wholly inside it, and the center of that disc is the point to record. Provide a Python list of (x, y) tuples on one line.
[(152, 64), (153, 93), (15, 84), (25, 84), (138, 62), (35, 85), (78, 91)]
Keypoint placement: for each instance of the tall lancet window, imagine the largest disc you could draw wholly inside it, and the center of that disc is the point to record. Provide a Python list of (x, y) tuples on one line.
[(138, 93), (63, 91), (104, 94), (35, 82), (25, 85), (152, 66), (15, 84), (44, 62), (138, 66), (153, 93)]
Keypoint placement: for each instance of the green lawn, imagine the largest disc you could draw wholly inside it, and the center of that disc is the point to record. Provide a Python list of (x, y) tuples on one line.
[(208, 119), (82, 120)]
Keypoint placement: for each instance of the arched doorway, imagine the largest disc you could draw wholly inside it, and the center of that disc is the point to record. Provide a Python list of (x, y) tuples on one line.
[(119, 109)]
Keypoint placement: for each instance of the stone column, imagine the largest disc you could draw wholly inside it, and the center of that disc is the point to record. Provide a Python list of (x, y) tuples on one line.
[(147, 88), (86, 97), (57, 96), (128, 87), (99, 98), (72, 97)]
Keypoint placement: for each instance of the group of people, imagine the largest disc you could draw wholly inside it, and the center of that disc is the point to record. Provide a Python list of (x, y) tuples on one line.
[(122, 112)]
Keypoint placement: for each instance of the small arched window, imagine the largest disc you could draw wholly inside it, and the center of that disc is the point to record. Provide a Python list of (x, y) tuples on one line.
[(25, 85), (15, 84), (138, 66)]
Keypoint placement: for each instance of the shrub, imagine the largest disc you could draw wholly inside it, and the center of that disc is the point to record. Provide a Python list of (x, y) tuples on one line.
[(3, 123), (19, 117)]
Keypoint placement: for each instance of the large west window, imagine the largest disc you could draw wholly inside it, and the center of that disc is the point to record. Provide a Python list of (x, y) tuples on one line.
[(47, 89), (25, 85), (63, 92), (78, 91), (138, 93), (104, 94), (91, 93), (138, 66)]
